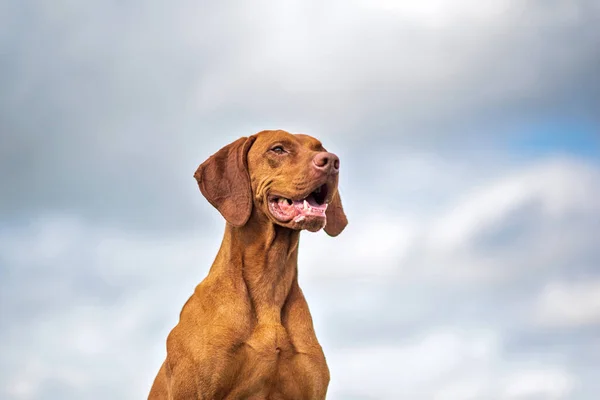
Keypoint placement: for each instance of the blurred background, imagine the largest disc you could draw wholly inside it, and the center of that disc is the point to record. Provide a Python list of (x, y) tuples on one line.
[(469, 138)]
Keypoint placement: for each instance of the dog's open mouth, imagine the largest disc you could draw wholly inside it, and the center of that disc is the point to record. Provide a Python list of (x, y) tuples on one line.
[(314, 205)]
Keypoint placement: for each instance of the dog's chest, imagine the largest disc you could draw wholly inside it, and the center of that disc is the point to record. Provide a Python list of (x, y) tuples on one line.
[(268, 340), (273, 369)]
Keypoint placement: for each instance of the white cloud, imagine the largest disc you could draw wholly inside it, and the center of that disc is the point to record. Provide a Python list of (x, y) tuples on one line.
[(569, 304), (371, 246), (557, 195), (546, 383), (558, 186), (442, 14), (118, 296), (415, 368), (444, 364)]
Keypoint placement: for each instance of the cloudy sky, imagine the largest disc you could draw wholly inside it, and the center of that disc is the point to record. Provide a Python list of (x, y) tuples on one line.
[(469, 139)]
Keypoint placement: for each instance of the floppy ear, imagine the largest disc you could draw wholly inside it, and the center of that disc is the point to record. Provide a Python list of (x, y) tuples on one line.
[(224, 181), (336, 218)]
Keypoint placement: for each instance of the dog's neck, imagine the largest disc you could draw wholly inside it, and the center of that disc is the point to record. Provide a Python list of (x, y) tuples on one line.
[(265, 257)]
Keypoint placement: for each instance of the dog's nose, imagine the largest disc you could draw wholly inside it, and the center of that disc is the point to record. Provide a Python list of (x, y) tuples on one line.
[(327, 162)]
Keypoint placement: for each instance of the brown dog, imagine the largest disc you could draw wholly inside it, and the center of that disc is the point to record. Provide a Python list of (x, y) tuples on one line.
[(246, 332)]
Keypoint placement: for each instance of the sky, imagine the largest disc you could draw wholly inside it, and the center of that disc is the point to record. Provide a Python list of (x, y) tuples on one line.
[(469, 140)]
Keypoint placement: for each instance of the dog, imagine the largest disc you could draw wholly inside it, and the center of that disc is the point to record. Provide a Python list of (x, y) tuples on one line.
[(247, 332)]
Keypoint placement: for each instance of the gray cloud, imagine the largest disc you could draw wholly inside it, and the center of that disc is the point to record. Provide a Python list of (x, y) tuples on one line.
[(107, 109), (441, 284)]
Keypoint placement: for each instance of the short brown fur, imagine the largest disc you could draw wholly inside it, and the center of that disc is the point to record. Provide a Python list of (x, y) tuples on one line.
[(246, 332)]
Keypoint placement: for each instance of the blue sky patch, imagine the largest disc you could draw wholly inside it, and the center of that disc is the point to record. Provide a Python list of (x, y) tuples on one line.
[(558, 137)]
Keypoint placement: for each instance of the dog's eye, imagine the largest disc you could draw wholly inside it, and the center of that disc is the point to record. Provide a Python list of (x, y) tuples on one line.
[(278, 150)]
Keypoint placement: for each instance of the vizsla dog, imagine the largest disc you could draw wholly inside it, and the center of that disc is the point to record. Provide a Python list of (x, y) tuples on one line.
[(246, 332)]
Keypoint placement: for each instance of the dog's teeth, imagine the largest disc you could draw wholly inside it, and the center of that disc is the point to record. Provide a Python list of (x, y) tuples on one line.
[(306, 206), (300, 218)]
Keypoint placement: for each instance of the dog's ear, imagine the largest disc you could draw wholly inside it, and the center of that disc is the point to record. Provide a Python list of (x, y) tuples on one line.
[(225, 182), (336, 218)]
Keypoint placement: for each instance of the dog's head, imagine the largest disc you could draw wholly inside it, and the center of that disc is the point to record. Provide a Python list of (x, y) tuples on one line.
[(291, 179)]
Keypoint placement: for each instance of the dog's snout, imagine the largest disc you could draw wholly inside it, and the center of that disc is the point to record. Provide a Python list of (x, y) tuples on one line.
[(327, 162)]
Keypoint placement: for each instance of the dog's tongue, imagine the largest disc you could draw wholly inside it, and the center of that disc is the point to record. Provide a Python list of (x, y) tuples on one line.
[(309, 207), (303, 208)]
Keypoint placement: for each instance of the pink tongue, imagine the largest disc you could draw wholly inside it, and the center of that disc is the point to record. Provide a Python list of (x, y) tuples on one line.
[(298, 207), (312, 207), (285, 206)]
